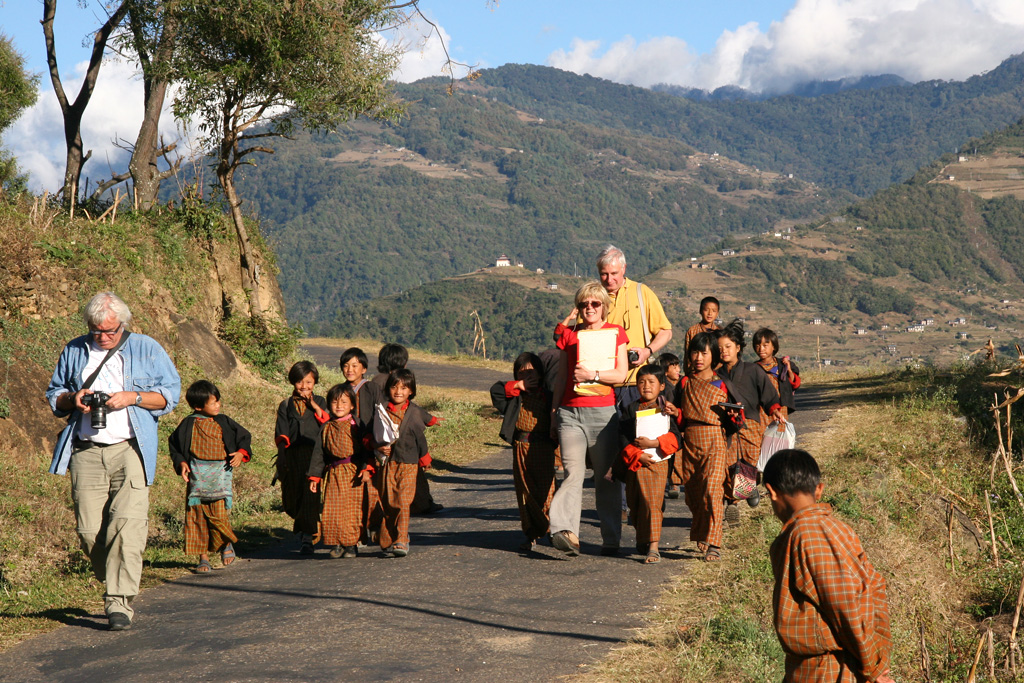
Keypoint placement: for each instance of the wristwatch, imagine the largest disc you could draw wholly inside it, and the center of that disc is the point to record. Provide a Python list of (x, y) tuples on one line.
[(138, 399)]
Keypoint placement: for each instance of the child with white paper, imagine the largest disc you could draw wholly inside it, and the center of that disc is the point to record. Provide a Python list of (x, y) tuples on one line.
[(649, 433)]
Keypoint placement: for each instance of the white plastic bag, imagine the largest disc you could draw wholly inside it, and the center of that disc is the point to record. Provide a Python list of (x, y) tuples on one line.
[(776, 438), (385, 431)]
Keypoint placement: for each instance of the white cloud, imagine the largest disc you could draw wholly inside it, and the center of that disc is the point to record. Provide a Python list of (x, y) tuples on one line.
[(821, 39), (424, 53), (114, 114)]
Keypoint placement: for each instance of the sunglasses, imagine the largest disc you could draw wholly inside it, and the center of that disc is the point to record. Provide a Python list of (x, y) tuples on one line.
[(590, 304)]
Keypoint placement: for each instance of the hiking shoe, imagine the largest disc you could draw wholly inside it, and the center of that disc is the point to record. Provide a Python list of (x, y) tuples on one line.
[(732, 515), (119, 621), (350, 551), (672, 492), (565, 541), (336, 552)]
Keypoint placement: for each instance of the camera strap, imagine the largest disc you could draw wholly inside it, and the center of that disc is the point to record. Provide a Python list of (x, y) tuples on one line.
[(111, 352)]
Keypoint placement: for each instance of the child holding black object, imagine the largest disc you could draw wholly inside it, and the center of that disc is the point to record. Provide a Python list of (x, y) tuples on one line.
[(204, 448), (340, 463), (298, 429), (526, 404), (831, 611), (648, 457), (401, 460)]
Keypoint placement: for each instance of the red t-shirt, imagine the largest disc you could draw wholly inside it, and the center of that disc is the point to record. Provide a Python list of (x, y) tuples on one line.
[(569, 343)]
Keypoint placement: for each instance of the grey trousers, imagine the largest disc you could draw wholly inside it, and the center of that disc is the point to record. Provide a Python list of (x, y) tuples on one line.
[(108, 485), (583, 430)]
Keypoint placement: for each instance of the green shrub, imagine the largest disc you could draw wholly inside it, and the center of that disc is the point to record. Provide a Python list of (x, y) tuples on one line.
[(263, 344)]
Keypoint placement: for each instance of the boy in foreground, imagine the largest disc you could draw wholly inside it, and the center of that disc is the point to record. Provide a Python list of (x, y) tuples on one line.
[(831, 612)]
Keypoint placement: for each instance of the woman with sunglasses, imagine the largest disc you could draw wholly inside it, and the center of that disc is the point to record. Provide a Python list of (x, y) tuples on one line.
[(586, 423)]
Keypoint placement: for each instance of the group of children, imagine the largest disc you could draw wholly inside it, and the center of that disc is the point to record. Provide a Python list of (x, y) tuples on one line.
[(351, 466)]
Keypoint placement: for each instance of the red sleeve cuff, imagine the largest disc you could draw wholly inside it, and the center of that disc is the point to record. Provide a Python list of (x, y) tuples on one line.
[(668, 444), (246, 456), (425, 460), (370, 468), (775, 406), (433, 421), (794, 380), (368, 442), (314, 478), (510, 389), (322, 416), (631, 456), (283, 441)]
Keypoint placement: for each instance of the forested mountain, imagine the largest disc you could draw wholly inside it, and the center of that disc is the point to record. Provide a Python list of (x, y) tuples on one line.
[(858, 140), (377, 209), (547, 166), (945, 245)]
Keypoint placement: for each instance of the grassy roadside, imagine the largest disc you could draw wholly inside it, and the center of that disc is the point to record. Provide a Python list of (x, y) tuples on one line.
[(370, 346), (894, 455), (46, 580)]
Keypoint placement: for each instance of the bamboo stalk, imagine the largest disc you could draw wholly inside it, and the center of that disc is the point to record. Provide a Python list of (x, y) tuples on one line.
[(1013, 630), (949, 525), (117, 200), (926, 662), (991, 528), (1009, 429), (972, 676), (999, 436), (1013, 480), (991, 656)]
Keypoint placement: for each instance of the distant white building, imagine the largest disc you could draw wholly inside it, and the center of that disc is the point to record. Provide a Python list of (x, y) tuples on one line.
[(752, 307), (817, 321), (860, 331), (502, 262), (553, 286), (728, 252), (928, 321), (915, 328), (540, 271), (962, 335)]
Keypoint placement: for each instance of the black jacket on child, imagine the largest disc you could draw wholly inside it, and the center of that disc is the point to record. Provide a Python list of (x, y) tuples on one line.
[(236, 438)]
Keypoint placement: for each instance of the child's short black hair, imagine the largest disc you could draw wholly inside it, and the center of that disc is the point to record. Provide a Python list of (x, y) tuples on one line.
[(651, 369), (338, 390), (354, 352), (300, 370), (705, 341), (200, 392), (734, 332), (392, 357), (766, 334), (667, 360), (709, 300), (792, 470), (527, 358), (401, 376)]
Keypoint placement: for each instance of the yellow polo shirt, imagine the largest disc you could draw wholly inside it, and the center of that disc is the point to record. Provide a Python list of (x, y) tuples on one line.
[(625, 311)]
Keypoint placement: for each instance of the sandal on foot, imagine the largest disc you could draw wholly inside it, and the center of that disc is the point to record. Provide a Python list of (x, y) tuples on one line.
[(204, 567), (653, 557), (702, 547), (526, 546), (350, 551), (227, 555), (399, 550), (713, 554), (566, 542), (336, 552)]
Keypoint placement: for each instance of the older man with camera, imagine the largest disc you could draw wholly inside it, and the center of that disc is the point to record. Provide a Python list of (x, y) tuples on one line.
[(112, 385)]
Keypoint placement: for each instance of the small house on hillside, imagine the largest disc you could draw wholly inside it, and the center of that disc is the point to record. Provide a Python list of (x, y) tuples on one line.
[(751, 307), (728, 252), (915, 328), (817, 321), (503, 262), (860, 332)]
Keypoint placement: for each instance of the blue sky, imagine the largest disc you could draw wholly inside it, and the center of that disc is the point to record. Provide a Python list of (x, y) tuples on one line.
[(761, 45)]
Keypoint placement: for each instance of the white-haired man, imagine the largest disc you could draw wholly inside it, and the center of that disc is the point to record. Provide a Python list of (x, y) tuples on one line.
[(112, 461), (637, 310)]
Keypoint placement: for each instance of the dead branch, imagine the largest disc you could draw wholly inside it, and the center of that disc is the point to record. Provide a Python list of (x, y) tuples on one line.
[(940, 484), (926, 661), (972, 675), (949, 525), (1013, 631), (991, 528), (991, 656)]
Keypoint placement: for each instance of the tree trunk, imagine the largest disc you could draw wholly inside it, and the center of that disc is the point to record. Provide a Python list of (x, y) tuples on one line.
[(146, 174), (250, 273)]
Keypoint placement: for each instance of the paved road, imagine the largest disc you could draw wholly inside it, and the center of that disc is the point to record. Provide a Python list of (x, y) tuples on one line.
[(431, 374), (463, 606)]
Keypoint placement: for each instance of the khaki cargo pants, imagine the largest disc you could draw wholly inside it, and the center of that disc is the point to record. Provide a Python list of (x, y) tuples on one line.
[(108, 485)]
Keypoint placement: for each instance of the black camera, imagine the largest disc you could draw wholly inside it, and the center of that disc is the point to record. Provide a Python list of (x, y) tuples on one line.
[(98, 404), (633, 356)]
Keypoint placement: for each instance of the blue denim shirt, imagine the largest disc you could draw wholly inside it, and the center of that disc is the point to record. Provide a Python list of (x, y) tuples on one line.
[(147, 367)]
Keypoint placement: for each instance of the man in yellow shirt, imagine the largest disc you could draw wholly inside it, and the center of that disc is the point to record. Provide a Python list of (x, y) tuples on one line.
[(637, 309)]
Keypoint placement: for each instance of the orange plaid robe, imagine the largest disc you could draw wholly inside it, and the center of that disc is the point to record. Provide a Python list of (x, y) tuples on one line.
[(645, 492), (831, 612), (341, 520), (397, 489), (533, 463), (768, 366), (207, 525), (705, 457)]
